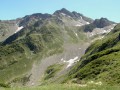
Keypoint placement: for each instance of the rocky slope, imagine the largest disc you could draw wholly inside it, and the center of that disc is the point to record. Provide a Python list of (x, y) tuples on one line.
[(101, 61), (7, 28), (42, 40)]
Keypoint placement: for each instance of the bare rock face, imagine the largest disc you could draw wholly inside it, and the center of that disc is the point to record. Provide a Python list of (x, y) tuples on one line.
[(100, 23)]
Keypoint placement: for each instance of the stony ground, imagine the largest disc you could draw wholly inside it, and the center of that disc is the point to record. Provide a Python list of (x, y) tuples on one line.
[(70, 52)]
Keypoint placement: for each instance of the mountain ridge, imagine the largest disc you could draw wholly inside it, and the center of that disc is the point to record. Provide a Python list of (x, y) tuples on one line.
[(42, 40)]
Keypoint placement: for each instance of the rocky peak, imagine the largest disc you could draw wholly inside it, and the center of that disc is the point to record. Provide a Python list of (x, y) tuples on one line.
[(102, 22), (33, 17), (63, 11), (73, 14), (77, 15), (40, 15)]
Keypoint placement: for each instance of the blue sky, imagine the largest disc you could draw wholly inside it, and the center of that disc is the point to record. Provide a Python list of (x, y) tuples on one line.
[(11, 9)]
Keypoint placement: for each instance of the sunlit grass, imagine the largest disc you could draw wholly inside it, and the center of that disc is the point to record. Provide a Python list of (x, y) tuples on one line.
[(65, 87)]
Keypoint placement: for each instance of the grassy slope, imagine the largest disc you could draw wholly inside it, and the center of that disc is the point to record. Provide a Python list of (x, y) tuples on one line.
[(51, 71), (65, 87), (101, 61), (18, 57), (34, 42)]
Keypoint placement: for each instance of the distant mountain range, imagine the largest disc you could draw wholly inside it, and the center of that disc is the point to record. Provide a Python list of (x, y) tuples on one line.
[(8, 27)]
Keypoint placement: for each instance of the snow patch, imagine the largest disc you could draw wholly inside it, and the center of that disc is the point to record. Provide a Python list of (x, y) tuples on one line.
[(32, 84), (82, 22), (80, 17), (87, 23), (71, 61), (63, 14), (111, 28), (78, 25), (99, 31), (62, 59), (18, 29), (76, 34)]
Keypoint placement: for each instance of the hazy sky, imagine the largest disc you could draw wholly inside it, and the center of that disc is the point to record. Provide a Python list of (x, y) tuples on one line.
[(11, 9)]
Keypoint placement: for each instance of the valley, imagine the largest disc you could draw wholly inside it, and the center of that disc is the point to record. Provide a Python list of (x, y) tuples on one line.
[(63, 47)]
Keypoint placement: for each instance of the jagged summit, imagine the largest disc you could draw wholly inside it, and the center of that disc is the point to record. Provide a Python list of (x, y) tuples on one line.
[(102, 22), (99, 23), (30, 18), (39, 15), (73, 14), (63, 11), (76, 14)]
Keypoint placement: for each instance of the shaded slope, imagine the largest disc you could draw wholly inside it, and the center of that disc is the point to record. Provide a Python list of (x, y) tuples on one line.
[(98, 23), (34, 42), (7, 28)]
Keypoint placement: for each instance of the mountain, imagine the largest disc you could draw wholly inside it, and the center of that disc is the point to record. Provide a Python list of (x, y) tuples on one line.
[(98, 23), (29, 19), (75, 19), (45, 47), (73, 14), (101, 61), (7, 28)]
